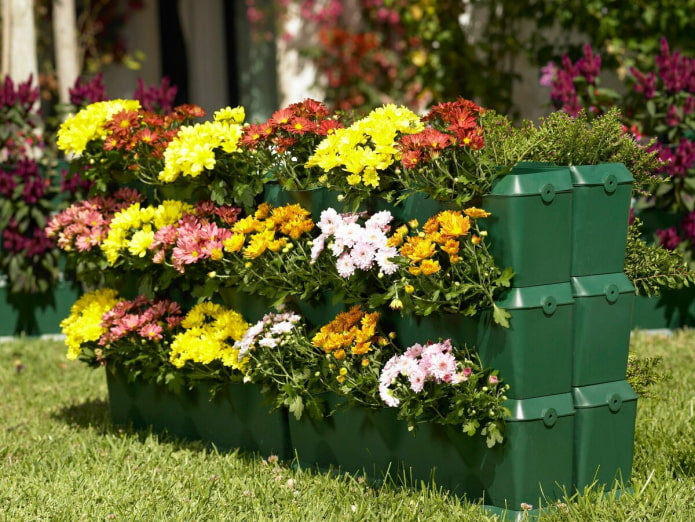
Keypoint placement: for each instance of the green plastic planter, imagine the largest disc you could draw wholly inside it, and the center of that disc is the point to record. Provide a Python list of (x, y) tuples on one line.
[(533, 355), (604, 433), (530, 226), (535, 459), (36, 314), (314, 200), (601, 328), (237, 416), (600, 212)]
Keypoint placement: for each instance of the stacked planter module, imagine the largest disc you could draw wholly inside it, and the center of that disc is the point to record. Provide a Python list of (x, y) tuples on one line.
[(564, 231)]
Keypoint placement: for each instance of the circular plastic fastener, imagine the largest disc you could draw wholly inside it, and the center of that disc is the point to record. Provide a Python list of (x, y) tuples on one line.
[(548, 192), (610, 183), (615, 402), (612, 293), (549, 417), (549, 305)]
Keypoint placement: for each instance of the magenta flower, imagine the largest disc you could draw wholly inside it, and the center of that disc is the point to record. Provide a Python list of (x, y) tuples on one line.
[(669, 238)]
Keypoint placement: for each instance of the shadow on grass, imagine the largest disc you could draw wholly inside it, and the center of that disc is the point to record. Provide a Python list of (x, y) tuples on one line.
[(95, 414)]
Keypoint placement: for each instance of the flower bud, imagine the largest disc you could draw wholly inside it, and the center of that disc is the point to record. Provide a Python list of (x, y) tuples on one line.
[(396, 304), (212, 274)]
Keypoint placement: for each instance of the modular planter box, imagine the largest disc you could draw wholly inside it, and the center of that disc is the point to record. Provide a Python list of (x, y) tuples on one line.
[(530, 226), (533, 355), (600, 212), (604, 433), (601, 328), (36, 314), (236, 417), (534, 462)]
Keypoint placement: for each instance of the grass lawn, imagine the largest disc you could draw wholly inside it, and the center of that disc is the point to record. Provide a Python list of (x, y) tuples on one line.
[(62, 459)]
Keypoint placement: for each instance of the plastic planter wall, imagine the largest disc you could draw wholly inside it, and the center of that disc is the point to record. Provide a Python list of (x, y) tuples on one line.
[(236, 417), (535, 461)]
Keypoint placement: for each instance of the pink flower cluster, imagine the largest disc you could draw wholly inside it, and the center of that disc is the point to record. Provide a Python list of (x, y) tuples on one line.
[(419, 364), (85, 224), (194, 237), (270, 332), (149, 320), (356, 246)]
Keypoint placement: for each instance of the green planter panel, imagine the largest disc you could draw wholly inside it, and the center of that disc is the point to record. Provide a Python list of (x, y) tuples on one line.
[(36, 314), (236, 417), (534, 460), (604, 433), (672, 309), (533, 355), (601, 328), (530, 226), (600, 213)]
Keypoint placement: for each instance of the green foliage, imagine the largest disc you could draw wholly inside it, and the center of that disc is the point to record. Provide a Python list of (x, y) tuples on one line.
[(651, 267), (644, 373)]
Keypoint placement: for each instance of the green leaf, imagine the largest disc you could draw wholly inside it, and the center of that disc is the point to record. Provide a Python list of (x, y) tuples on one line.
[(500, 316), (296, 407)]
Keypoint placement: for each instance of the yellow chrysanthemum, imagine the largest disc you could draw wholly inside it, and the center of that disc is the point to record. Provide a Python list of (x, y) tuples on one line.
[(227, 114), (193, 149), (84, 322), (88, 124), (169, 212), (453, 223), (234, 243), (366, 147), (476, 213), (141, 241), (418, 248), (208, 329)]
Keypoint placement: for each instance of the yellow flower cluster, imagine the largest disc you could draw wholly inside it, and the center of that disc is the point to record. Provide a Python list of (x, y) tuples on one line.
[(440, 233), (207, 329), (132, 229), (78, 130), (268, 229), (367, 146), (193, 148), (354, 330), (84, 322)]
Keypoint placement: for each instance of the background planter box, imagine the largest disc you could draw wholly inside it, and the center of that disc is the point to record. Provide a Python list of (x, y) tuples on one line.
[(36, 314), (236, 417), (534, 461)]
